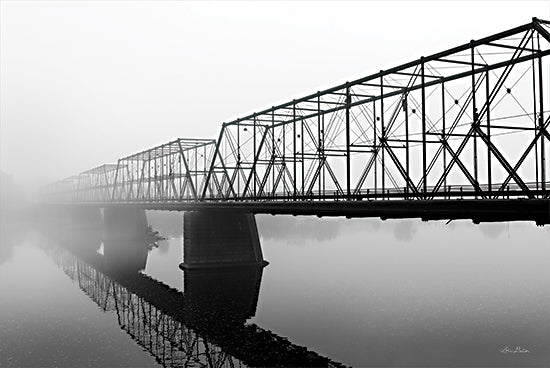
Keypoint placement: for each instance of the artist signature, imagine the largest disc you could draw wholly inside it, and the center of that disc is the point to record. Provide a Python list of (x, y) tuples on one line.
[(517, 350)]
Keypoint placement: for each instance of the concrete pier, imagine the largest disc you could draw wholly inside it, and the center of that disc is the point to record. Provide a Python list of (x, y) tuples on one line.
[(124, 223), (81, 228), (124, 239), (85, 219), (214, 238)]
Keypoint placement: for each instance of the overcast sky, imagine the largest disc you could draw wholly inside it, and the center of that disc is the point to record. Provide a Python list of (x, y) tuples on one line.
[(84, 83)]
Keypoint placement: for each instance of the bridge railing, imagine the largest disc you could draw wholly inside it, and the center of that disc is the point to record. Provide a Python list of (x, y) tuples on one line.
[(458, 191)]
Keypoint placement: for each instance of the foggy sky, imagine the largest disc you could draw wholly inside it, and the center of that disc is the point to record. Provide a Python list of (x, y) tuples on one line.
[(84, 83)]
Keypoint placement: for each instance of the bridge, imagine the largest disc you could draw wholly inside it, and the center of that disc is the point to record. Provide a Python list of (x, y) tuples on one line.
[(459, 134)]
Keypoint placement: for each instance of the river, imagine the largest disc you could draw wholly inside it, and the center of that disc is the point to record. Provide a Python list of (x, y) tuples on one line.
[(361, 292)]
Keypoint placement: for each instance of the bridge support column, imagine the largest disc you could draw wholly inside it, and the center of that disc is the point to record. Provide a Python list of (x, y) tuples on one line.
[(125, 239), (81, 228), (124, 223), (78, 228), (85, 221), (218, 238)]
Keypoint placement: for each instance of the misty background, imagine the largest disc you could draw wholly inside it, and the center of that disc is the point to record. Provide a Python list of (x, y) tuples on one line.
[(85, 83)]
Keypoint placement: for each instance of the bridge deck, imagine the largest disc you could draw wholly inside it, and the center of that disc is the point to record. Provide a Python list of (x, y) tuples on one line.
[(478, 210)]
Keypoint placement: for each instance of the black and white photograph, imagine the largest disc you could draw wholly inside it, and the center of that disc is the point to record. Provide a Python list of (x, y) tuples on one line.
[(274, 184)]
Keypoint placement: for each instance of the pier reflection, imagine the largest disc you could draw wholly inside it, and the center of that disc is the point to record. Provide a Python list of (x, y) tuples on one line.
[(204, 326)]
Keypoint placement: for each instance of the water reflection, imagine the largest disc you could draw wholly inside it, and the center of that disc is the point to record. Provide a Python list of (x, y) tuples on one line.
[(10, 236), (294, 229), (13, 230), (203, 326), (457, 295)]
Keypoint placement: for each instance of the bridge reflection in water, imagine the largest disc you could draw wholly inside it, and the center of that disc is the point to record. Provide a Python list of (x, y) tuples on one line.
[(204, 326)]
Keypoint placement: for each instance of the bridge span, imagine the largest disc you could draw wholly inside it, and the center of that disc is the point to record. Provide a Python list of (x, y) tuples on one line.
[(459, 134)]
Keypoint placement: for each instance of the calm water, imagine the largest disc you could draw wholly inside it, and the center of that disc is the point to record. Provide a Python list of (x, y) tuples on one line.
[(358, 292)]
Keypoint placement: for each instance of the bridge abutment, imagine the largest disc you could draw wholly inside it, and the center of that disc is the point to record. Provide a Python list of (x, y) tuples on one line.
[(218, 238)]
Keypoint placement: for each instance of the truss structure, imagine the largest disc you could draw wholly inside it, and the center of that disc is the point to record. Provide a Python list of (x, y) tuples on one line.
[(472, 119), (175, 171), (468, 122)]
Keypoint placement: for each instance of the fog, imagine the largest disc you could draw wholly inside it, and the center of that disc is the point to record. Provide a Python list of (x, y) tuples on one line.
[(84, 83), (293, 230)]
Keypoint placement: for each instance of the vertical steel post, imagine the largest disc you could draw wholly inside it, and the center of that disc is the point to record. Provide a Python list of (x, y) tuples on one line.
[(273, 150), (424, 167), (302, 150), (114, 182), (407, 153), (180, 176), (294, 179), (443, 137), (256, 154), (375, 148), (348, 148), (541, 123), (324, 172), (383, 131), (203, 167), (238, 165), (475, 114), (196, 184), (319, 139), (284, 159), (488, 102), (162, 173)]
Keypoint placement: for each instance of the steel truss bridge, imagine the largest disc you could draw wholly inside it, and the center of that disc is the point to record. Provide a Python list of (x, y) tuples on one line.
[(467, 123)]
